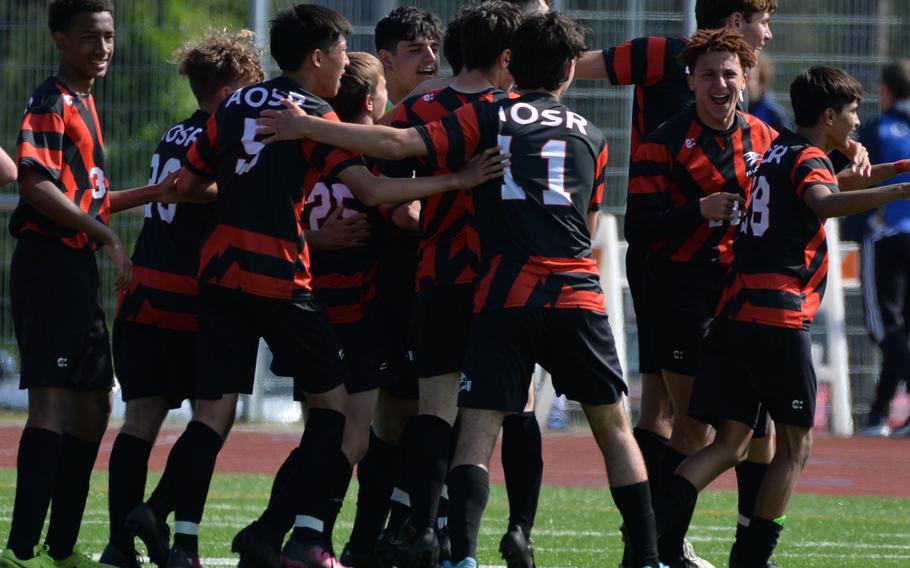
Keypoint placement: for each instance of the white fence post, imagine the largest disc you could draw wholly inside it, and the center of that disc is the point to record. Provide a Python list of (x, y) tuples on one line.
[(835, 317), (609, 264)]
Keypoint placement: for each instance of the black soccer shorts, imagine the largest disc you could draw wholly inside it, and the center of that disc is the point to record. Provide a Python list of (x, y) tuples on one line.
[(298, 333), (685, 298), (575, 346), (440, 323), (644, 303), (58, 317), (747, 368), (152, 361)]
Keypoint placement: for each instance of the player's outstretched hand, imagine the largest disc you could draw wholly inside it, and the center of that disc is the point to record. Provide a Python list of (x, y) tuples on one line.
[(720, 206), (120, 258), (859, 158), (338, 232), (166, 191), (287, 124), (482, 167)]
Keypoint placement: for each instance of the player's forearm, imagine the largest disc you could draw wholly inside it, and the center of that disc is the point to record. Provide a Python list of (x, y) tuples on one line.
[(124, 199), (591, 66), (647, 224), (396, 190), (43, 195), (378, 141), (840, 204), (7, 169), (848, 180)]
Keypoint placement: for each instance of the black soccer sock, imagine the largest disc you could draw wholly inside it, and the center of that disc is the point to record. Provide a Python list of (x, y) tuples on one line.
[(311, 486), (469, 491), (343, 472), (196, 450), (284, 474), (758, 542), (428, 458), (400, 504), (749, 477), (522, 464), (127, 473), (36, 469), (674, 514), (376, 477), (634, 504), (653, 447), (77, 459)]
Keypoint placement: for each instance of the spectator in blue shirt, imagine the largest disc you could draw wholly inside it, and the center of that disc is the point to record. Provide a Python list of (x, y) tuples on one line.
[(762, 103)]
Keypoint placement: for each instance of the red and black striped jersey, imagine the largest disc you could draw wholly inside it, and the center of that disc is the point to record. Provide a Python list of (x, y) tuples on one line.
[(661, 90), (448, 250), (342, 279), (535, 246), (256, 242), (682, 162), (61, 139), (166, 256), (778, 275)]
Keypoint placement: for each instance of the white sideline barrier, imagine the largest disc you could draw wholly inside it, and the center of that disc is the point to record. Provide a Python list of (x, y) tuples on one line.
[(838, 372)]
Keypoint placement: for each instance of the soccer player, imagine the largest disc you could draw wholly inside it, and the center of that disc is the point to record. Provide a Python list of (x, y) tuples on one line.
[(62, 218), (690, 178), (885, 241), (661, 92), (446, 268), (407, 43), (538, 297), (759, 347), (254, 281), (8, 170), (154, 333)]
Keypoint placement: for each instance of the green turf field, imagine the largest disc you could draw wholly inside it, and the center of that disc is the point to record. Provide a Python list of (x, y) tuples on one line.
[(575, 527)]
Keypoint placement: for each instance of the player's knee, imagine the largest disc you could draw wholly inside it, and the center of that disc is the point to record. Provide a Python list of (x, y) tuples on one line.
[(334, 399)]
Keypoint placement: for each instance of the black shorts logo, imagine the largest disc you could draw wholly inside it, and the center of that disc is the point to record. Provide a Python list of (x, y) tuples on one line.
[(465, 385)]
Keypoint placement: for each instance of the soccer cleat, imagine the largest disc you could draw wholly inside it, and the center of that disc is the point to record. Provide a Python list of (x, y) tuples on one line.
[(255, 550), (694, 560), (516, 550), (735, 562), (425, 551), (395, 550), (445, 544), (299, 554), (77, 560), (180, 558), (353, 559), (466, 563), (41, 559), (156, 535), (113, 556)]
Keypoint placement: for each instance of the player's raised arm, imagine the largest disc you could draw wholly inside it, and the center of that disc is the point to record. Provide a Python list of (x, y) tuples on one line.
[(848, 180), (827, 203), (384, 142), (7, 168), (375, 190)]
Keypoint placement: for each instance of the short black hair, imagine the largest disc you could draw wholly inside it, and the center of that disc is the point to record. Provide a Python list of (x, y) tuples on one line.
[(526, 6), (712, 14), (60, 13), (822, 87), (896, 76), (543, 48), (299, 30), (406, 23), (451, 45), (487, 30)]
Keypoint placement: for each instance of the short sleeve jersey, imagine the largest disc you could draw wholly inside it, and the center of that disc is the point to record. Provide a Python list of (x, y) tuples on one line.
[(535, 246), (60, 139), (661, 91), (447, 253), (778, 275), (256, 242), (166, 256), (344, 280), (675, 167)]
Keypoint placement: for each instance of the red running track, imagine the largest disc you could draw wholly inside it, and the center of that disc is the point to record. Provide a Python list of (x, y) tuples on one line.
[(837, 466)]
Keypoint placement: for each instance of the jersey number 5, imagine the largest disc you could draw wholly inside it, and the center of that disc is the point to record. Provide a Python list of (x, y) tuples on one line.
[(554, 152), (250, 146)]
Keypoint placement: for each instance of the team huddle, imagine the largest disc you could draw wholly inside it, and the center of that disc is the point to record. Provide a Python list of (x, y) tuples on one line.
[(410, 247)]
